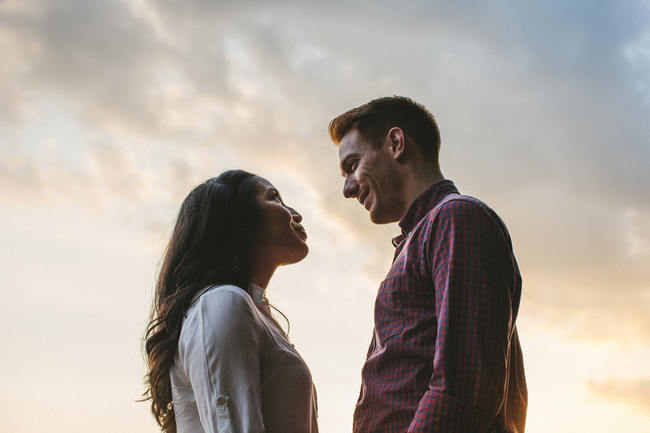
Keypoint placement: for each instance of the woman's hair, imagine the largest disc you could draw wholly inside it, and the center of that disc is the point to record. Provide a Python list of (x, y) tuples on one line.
[(211, 244)]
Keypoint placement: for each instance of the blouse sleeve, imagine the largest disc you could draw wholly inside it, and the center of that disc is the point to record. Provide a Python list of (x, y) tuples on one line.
[(219, 352)]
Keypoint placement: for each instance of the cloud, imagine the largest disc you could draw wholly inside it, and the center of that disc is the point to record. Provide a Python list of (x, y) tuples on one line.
[(635, 393), (105, 175), (541, 105), (113, 110)]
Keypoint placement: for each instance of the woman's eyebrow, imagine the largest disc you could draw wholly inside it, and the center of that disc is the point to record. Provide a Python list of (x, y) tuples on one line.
[(273, 191)]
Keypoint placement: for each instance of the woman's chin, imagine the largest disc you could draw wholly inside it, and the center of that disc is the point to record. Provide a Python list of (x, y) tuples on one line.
[(301, 252), (297, 254)]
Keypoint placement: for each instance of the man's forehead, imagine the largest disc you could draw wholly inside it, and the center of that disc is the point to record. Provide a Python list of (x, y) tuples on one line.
[(350, 143)]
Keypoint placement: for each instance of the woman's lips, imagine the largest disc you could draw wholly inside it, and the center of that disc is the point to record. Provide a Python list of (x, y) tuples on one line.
[(300, 230)]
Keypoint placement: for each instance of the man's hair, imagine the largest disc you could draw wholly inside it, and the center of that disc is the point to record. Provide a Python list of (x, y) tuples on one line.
[(374, 119)]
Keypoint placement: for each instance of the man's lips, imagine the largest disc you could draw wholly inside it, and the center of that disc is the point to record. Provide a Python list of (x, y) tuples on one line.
[(363, 196)]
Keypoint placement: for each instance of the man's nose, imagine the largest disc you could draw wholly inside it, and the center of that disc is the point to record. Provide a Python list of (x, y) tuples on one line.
[(350, 187)]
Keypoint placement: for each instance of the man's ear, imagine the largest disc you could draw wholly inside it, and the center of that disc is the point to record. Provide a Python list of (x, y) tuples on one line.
[(396, 142)]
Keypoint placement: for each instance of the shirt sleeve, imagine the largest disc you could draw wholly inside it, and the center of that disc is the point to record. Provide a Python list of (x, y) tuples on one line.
[(471, 265), (220, 356)]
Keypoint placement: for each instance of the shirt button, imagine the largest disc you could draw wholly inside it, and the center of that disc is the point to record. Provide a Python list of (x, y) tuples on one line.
[(221, 400)]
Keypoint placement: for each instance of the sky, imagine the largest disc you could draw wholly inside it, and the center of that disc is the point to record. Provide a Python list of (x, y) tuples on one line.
[(112, 111)]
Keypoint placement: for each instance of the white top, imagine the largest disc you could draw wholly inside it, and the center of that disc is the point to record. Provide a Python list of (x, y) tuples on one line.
[(236, 372)]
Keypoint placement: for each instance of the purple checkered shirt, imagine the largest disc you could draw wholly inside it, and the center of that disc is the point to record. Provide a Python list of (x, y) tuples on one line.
[(445, 355)]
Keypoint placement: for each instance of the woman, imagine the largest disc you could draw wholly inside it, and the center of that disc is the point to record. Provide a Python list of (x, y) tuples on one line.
[(218, 361)]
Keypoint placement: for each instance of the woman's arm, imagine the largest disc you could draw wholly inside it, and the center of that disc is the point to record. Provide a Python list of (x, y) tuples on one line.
[(219, 352)]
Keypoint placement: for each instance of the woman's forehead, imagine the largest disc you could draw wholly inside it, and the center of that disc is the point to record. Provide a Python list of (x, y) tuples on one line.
[(263, 184)]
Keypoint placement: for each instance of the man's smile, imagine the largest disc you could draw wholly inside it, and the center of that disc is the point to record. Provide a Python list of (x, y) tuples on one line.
[(363, 196)]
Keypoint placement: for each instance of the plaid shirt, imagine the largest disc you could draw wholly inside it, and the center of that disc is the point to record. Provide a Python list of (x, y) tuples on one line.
[(445, 356)]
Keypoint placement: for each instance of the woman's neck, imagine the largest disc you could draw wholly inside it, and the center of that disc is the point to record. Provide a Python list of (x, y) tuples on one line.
[(261, 274)]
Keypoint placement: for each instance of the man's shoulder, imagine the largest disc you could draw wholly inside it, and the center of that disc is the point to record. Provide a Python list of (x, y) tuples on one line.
[(457, 205), (463, 213)]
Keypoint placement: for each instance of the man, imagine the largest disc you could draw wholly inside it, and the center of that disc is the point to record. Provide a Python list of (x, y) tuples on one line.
[(445, 355)]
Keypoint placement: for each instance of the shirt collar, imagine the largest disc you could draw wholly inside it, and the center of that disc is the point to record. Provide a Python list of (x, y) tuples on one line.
[(422, 205)]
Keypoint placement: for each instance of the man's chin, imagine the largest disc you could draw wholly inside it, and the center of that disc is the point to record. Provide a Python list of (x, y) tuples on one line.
[(381, 217)]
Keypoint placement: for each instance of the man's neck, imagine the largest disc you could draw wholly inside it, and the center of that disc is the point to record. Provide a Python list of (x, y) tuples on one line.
[(420, 181)]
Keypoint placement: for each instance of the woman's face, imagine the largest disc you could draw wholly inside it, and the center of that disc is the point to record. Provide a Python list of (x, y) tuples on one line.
[(281, 237)]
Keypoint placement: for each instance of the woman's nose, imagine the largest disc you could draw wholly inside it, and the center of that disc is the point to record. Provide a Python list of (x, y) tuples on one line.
[(296, 216)]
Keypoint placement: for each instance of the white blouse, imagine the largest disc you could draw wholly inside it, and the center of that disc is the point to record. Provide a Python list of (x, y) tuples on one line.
[(236, 372)]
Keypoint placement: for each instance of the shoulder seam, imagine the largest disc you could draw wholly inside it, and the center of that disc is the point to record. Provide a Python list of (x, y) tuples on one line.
[(228, 288)]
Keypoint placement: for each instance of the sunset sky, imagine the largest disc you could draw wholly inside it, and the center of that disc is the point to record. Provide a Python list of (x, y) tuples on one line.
[(111, 111)]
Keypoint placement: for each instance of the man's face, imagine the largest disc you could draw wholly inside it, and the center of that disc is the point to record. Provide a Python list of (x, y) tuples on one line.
[(371, 176)]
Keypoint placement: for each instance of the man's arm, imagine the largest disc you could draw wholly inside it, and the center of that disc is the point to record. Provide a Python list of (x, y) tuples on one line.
[(471, 266)]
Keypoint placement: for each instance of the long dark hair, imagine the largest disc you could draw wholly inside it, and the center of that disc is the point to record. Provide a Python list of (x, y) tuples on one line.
[(210, 244)]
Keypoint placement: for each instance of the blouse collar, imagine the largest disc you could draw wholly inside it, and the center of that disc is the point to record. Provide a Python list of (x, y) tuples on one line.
[(257, 293)]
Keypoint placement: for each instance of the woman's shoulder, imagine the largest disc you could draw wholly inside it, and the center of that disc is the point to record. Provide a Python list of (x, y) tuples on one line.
[(218, 290), (219, 310), (222, 297), (221, 318)]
